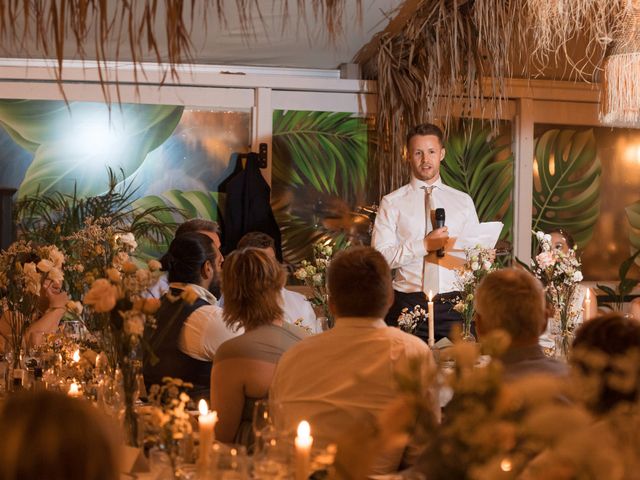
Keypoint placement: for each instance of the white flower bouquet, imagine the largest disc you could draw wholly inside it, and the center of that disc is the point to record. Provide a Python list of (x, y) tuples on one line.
[(479, 262), (560, 273), (408, 320)]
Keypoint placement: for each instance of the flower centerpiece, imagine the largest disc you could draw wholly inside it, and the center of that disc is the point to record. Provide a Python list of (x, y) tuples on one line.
[(121, 312), (408, 320), (25, 270), (313, 274), (479, 262), (560, 274)]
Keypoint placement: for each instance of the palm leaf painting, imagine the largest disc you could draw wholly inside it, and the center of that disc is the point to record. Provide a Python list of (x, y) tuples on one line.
[(633, 215), (173, 207), (319, 173), (566, 192), (473, 165)]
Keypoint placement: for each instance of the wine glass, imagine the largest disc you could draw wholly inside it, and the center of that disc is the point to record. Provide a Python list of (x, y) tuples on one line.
[(265, 415)]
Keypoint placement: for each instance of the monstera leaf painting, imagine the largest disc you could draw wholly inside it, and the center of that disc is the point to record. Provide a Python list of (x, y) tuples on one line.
[(567, 191), (473, 165), (192, 204), (72, 144), (633, 214), (319, 172)]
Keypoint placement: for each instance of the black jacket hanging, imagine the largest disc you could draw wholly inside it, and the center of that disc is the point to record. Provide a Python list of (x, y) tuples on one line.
[(248, 208)]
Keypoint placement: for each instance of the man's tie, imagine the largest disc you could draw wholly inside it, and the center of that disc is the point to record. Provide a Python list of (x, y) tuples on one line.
[(429, 270)]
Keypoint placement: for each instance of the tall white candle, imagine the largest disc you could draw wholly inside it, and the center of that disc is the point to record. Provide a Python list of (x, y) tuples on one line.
[(432, 333), (587, 306), (74, 390), (206, 423), (76, 356), (303, 442)]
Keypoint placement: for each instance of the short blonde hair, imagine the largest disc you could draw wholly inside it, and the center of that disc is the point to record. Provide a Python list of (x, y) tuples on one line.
[(512, 300), (251, 285)]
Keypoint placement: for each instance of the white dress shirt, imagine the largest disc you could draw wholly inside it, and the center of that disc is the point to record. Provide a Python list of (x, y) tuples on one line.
[(204, 330), (345, 376), (297, 307), (400, 225)]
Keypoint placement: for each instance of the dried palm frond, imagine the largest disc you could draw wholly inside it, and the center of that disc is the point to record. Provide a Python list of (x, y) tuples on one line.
[(135, 27), (437, 62)]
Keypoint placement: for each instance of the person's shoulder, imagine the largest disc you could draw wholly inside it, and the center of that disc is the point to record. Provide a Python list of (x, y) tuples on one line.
[(397, 194), (454, 191), (291, 296), (411, 341), (306, 348)]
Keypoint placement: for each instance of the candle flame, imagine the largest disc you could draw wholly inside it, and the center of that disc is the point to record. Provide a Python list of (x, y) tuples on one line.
[(76, 356), (505, 465), (203, 407), (430, 296), (73, 388), (304, 429)]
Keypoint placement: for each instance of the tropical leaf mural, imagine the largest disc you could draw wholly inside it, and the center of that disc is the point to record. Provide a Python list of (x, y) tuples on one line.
[(173, 207), (567, 186), (473, 165), (73, 143), (633, 215), (319, 173)]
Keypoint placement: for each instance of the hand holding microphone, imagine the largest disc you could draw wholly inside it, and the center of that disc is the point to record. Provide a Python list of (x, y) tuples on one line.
[(437, 239), (440, 224)]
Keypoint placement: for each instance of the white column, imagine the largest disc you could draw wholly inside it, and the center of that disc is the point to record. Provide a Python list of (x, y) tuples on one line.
[(263, 126), (523, 180)]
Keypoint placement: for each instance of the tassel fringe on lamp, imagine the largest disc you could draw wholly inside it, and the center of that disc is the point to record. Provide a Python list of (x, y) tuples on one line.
[(620, 95)]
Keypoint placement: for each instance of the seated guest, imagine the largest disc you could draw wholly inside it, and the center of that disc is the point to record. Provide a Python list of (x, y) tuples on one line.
[(343, 379), (244, 366), (612, 339), (513, 300), (51, 309), (297, 309), (186, 337), (50, 435), (206, 227)]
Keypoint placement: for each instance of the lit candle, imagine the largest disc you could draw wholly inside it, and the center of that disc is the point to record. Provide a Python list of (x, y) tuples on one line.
[(74, 390), (587, 306), (303, 443), (76, 356), (206, 422), (432, 333)]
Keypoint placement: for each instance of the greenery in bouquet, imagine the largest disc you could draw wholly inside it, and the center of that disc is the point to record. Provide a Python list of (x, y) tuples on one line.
[(121, 312), (408, 320), (25, 271), (313, 273), (95, 247), (166, 419), (560, 273), (479, 262)]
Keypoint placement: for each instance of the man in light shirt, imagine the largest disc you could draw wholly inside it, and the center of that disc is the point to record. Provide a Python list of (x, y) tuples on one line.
[(297, 309), (343, 379), (188, 333), (405, 235)]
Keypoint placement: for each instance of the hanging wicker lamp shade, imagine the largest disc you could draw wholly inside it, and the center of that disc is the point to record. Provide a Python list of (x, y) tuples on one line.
[(620, 94)]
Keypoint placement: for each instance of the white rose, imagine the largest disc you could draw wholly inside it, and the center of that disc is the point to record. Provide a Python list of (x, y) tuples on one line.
[(547, 238), (32, 277), (128, 240), (577, 276), (134, 325), (45, 265), (317, 279), (475, 266), (102, 296), (56, 275), (486, 265), (540, 236), (301, 274), (56, 256)]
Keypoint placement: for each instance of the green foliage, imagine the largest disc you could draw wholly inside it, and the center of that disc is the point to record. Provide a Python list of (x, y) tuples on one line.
[(45, 219), (633, 214), (325, 149), (568, 193), (319, 161), (472, 166), (625, 285), (173, 207)]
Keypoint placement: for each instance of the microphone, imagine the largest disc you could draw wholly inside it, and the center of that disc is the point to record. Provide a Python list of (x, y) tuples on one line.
[(439, 224)]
